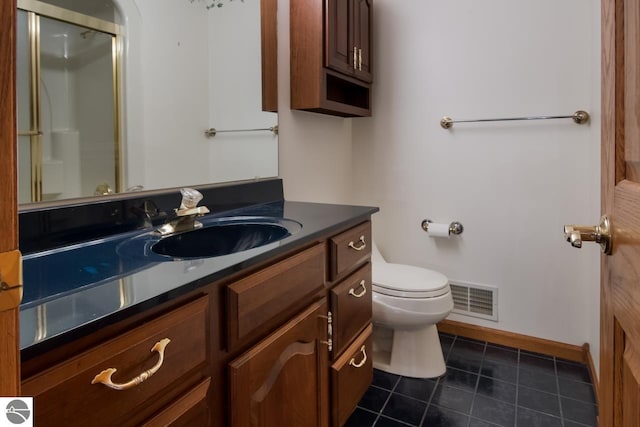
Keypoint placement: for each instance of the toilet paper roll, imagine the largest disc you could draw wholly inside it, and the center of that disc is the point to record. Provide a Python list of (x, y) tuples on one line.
[(437, 229)]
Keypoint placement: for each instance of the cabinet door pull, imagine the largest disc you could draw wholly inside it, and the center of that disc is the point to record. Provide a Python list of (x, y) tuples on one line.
[(104, 377), (329, 341), (360, 59), (355, 58), (353, 363), (358, 295), (352, 245)]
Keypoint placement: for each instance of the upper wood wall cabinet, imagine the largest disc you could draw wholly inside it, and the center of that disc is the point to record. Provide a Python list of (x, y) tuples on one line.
[(331, 67)]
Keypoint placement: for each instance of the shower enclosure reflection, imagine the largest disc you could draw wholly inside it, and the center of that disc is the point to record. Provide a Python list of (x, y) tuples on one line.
[(156, 76), (68, 141)]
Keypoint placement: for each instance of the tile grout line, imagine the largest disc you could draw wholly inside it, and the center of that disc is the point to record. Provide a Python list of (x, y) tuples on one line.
[(555, 369), (426, 409), (515, 408), (387, 400), (475, 390)]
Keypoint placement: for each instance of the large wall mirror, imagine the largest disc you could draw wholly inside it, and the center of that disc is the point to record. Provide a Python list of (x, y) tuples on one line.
[(125, 95)]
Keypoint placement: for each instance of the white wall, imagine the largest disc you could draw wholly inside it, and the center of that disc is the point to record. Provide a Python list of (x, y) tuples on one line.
[(314, 150), (512, 185)]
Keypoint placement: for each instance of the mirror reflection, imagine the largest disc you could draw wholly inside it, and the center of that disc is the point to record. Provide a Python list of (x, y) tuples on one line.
[(117, 95)]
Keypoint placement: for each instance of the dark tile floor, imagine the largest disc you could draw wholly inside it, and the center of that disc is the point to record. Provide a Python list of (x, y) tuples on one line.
[(485, 385)]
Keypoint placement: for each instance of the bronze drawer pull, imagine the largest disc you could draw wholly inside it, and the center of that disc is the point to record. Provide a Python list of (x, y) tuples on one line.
[(364, 290), (104, 377), (352, 245), (353, 363)]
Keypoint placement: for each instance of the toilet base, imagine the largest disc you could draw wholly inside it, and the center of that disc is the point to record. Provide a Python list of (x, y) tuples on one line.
[(416, 353)]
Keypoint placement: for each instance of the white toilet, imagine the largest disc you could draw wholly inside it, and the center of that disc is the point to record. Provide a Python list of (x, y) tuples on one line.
[(408, 301)]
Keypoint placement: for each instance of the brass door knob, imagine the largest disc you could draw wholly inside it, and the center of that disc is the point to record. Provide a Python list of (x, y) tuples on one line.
[(601, 233)]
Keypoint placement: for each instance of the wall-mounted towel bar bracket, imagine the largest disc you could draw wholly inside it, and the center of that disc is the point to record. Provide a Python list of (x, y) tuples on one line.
[(580, 117), (211, 132)]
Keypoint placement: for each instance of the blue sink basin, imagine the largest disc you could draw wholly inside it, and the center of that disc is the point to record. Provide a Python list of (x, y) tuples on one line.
[(217, 237)]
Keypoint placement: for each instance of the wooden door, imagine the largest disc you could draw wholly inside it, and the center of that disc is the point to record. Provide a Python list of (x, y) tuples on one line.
[(283, 380), (620, 293), (9, 335)]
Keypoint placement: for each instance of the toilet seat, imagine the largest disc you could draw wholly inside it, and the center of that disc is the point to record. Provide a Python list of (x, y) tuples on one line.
[(408, 281)]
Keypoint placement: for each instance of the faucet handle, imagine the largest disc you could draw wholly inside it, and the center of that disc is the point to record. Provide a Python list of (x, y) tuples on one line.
[(190, 198)]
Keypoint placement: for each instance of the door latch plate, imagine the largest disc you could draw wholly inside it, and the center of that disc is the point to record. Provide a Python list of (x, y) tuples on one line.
[(10, 280)]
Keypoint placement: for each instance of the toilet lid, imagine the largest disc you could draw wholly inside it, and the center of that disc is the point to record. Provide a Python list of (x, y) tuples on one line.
[(408, 281)]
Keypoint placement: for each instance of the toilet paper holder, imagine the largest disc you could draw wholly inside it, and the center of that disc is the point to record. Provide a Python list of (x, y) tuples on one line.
[(454, 228)]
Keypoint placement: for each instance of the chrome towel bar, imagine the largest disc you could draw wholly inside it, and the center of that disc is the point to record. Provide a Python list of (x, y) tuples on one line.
[(580, 117), (210, 133)]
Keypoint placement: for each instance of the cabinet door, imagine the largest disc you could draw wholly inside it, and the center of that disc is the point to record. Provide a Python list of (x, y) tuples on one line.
[(283, 380), (361, 21), (339, 48)]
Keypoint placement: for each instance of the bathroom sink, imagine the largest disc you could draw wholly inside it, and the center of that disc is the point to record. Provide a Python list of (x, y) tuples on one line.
[(217, 237), (220, 239)]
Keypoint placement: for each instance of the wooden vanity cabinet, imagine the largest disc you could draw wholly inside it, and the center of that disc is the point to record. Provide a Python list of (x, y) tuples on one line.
[(67, 395), (351, 309), (286, 343), (331, 51), (286, 379)]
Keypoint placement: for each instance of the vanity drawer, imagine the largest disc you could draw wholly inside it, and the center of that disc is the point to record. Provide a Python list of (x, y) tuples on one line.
[(276, 292), (349, 249), (85, 403), (190, 409), (351, 307), (351, 376)]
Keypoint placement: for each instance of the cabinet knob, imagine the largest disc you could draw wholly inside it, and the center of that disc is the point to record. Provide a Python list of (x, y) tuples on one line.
[(104, 377)]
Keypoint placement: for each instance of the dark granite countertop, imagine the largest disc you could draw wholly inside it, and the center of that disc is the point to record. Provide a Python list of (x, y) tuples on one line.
[(77, 289)]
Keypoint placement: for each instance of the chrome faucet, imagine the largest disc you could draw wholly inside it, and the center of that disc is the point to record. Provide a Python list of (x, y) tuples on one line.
[(186, 214)]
